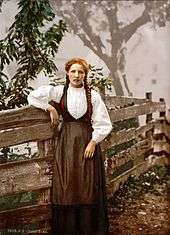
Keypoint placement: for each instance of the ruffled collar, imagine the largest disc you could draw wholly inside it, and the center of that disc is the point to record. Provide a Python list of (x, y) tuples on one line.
[(76, 88)]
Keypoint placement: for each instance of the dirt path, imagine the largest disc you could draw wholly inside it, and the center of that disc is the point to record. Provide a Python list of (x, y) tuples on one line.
[(146, 216)]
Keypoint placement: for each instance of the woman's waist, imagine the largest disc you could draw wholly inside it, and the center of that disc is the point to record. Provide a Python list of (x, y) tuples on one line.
[(77, 129), (76, 123)]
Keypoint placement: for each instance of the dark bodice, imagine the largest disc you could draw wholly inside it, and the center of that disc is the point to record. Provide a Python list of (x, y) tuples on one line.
[(63, 110)]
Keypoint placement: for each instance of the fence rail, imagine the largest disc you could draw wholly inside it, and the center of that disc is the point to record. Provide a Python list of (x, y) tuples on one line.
[(24, 176), (136, 110), (121, 101), (123, 136), (27, 124)]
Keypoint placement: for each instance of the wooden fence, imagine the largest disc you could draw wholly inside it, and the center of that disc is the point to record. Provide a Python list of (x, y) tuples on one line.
[(27, 124)]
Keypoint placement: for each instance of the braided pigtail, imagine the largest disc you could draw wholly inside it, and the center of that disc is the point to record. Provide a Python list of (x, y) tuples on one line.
[(67, 82), (88, 96)]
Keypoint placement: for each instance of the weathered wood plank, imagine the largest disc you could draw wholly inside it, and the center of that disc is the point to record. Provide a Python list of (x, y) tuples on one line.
[(123, 136), (137, 170), (43, 196), (137, 151), (22, 117), (136, 110), (24, 176), (161, 146), (25, 134), (25, 215), (162, 128), (112, 101), (41, 148)]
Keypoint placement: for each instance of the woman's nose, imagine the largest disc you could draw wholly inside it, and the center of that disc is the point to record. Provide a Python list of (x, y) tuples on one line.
[(76, 74)]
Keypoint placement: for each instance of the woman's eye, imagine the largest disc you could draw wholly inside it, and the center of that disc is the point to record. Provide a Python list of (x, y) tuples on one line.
[(79, 72)]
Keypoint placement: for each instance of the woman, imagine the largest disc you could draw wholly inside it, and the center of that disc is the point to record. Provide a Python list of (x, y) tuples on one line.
[(79, 200)]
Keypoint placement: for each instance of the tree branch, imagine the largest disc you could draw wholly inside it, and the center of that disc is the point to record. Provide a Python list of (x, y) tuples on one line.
[(81, 16), (129, 30), (82, 28), (111, 15), (89, 45)]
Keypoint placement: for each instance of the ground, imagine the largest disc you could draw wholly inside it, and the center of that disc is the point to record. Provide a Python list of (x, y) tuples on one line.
[(147, 215)]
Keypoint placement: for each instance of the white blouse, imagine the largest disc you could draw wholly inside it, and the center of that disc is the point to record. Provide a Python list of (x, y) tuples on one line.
[(77, 106)]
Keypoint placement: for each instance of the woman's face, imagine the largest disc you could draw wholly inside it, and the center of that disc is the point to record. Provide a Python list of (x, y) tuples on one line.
[(76, 75)]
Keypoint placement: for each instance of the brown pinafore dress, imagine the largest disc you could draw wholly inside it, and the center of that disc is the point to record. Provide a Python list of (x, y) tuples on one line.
[(79, 200)]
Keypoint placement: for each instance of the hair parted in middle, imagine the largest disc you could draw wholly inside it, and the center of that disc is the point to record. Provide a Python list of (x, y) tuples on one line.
[(80, 61), (86, 68)]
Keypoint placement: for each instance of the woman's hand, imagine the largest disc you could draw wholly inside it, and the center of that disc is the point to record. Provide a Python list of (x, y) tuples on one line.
[(89, 151), (54, 116)]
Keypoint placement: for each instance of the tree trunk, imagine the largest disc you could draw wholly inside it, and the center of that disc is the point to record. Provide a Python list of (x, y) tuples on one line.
[(116, 82)]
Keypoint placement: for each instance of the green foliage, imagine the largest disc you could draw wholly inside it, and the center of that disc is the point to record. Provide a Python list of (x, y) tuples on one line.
[(98, 80), (57, 81), (136, 187), (31, 46), (18, 200), (120, 147), (121, 169), (18, 157), (123, 125)]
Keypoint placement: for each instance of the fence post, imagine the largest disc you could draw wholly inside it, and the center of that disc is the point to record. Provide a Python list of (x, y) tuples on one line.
[(149, 116), (168, 155), (163, 113), (158, 134), (166, 146), (41, 148), (161, 148), (46, 149)]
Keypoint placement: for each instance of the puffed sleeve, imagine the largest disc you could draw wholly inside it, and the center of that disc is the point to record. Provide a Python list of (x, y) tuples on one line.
[(101, 122), (41, 96)]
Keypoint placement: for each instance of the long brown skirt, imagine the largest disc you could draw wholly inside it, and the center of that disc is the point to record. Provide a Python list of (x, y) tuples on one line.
[(79, 200)]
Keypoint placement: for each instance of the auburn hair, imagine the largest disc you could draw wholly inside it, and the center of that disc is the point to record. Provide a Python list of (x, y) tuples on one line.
[(87, 88)]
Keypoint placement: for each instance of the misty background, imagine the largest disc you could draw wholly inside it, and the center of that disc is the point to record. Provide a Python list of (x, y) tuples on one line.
[(147, 52)]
